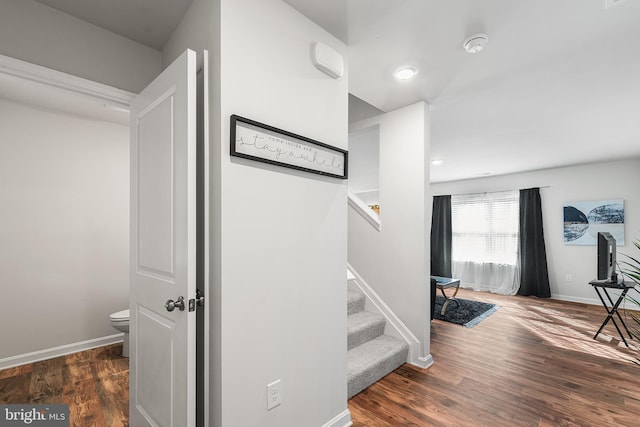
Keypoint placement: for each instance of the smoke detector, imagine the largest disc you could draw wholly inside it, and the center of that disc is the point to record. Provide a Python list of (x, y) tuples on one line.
[(475, 43)]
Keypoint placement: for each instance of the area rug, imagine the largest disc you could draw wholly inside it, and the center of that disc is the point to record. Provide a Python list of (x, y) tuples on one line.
[(468, 313)]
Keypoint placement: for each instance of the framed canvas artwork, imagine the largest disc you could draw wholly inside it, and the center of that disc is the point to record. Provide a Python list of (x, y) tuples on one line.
[(583, 220)]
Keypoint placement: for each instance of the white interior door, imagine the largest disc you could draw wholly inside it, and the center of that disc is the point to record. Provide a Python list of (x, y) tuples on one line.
[(163, 249)]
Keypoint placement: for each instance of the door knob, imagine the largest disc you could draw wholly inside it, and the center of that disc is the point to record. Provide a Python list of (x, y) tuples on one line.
[(171, 304)]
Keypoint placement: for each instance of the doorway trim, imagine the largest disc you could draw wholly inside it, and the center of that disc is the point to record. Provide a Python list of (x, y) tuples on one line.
[(17, 71), (25, 71)]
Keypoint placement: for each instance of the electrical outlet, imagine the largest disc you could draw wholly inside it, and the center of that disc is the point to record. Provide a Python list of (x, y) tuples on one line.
[(569, 277), (274, 394)]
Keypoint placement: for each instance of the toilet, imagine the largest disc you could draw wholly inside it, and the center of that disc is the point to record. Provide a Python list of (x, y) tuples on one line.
[(120, 321)]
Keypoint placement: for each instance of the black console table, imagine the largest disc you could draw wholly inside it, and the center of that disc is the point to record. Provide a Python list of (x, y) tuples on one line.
[(611, 307)]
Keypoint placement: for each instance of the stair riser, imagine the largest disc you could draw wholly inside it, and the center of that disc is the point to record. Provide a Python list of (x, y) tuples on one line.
[(376, 372), (355, 305)]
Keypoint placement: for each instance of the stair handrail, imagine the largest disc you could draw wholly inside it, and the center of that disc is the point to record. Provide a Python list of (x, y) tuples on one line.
[(364, 210)]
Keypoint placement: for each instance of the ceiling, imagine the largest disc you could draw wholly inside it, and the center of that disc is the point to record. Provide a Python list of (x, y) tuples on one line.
[(149, 22), (556, 85)]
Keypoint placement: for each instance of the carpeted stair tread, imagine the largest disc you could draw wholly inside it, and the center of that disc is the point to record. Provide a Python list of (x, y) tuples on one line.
[(355, 301), (369, 362), (364, 326)]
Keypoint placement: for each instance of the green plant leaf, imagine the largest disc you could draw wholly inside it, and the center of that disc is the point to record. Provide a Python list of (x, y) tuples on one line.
[(630, 266)]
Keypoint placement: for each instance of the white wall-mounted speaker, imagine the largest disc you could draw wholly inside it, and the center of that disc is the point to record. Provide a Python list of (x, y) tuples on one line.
[(327, 60)]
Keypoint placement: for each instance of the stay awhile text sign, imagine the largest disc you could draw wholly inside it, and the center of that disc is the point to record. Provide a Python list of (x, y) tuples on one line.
[(264, 143)]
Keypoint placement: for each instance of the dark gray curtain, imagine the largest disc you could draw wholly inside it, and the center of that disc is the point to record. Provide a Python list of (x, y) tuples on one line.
[(441, 236), (534, 276)]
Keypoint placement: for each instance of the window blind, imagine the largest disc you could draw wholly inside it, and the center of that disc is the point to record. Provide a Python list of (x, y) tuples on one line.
[(485, 227), (485, 240)]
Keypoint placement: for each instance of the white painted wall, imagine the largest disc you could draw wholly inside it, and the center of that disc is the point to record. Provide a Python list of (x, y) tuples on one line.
[(279, 236), (364, 164), (36, 33), (199, 30), (393, 261), (64, 227), (600, 181), (360, 110)]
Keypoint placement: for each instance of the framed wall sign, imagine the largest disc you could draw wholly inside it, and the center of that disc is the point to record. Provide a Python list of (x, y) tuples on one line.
[(263, 143)]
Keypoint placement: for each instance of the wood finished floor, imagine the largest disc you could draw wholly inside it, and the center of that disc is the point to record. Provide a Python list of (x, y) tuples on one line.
[(532, 363), (94, 383)]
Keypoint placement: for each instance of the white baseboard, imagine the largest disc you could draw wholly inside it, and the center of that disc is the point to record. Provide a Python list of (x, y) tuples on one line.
[(341, 420), (424, 362), (576, 299), (50, 353)]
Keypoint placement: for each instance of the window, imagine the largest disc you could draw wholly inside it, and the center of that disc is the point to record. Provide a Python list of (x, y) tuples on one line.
[(485, 241)]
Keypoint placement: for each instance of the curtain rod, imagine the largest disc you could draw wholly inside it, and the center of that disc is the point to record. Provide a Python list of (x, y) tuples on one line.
[(485, 192)]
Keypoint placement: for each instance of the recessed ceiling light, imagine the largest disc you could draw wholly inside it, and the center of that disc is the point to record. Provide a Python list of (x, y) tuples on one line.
[(475, 43), (437, 162), (405, 73)]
